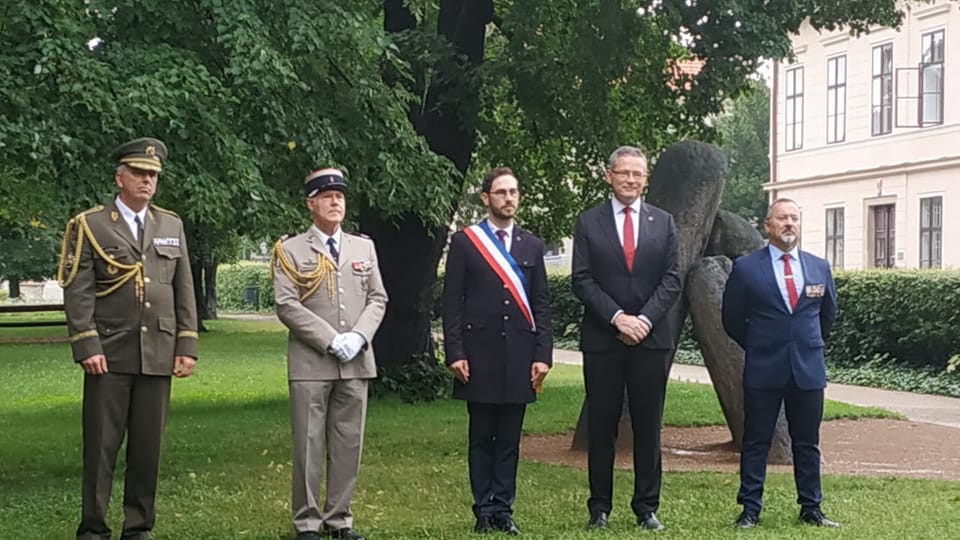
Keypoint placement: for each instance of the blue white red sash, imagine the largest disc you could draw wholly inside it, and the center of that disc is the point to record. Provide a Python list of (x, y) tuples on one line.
[(495, 253)]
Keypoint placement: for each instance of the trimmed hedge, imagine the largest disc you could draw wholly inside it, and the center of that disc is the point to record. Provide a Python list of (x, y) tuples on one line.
[(908, 316), (901, 316), (233, 279)]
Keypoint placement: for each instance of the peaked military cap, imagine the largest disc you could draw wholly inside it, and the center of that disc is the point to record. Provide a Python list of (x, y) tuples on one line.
[(322, 180), (144, 153)]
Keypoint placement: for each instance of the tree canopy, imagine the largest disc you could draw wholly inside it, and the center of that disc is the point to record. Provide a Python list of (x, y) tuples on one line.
[(410, 97)]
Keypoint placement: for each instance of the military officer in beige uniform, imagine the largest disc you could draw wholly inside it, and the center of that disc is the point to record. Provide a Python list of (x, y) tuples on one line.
[(330, 295), (132, 318)]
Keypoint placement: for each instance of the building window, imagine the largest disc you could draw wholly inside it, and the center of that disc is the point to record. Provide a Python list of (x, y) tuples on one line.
[(835, 237), (882, 89), (794, 109), (931, 79), (836, 99), (931, 232)]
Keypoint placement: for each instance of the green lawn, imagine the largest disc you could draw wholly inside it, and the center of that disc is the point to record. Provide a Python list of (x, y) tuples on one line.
[(226, 472)]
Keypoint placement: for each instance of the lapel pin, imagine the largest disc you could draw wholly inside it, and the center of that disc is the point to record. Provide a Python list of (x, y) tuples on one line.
[(649, 218)]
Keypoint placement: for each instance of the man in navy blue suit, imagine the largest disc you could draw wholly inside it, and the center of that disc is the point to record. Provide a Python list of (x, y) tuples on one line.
[(498, 341), (779, 305)]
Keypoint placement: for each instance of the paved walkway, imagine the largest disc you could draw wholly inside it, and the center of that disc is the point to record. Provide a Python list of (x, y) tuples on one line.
[(941, 410)]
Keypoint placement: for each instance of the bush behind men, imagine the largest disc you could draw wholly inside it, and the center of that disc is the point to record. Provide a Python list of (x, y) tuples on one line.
[(131, 315)]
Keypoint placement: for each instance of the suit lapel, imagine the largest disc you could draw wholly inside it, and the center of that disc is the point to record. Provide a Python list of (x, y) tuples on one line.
[(120, 226), (608, 227)]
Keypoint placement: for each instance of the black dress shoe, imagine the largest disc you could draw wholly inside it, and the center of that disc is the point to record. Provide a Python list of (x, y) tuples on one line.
[(345, 533), (308, 535), (505, 523), (598, 520), (816, 517), (650, 522), (484, 525), (747, 520)]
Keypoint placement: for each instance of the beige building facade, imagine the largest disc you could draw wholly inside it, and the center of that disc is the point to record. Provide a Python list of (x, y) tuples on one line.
[(866, 137)]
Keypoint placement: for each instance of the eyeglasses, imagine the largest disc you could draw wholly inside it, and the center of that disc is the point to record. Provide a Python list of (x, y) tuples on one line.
[(514, 192), (628, 174)]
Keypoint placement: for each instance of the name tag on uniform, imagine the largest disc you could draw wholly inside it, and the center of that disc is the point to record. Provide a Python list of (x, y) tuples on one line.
[(171, 241), (362, 266), (814, 291)]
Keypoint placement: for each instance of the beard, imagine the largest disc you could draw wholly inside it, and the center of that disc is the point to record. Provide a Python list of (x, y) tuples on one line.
[(789, 238), (503, 213)]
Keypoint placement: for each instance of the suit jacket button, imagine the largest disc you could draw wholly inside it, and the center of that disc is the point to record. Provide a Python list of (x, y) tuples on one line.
[(505, 286), (143, 329), (146, 280), (503, 334), (343, 323), (506, 317), (506, 302), (469, 326), (146, 305)]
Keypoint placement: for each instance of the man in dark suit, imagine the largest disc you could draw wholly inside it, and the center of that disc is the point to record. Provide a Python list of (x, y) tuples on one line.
[(498, 341), (128, 295), (779, 304), (625, 273)]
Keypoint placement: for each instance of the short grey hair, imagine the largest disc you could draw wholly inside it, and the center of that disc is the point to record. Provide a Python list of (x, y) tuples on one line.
[(779, 200), (632, 151)]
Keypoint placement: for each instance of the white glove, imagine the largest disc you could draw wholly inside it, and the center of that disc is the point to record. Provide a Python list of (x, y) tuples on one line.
[(347, 346)]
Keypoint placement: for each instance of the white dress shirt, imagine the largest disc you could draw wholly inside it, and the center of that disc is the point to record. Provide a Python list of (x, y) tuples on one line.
[(337, 235), (129, 216), (776, 259), (619, 216)]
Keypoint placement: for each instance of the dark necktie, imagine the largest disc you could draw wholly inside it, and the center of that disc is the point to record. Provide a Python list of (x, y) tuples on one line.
[(139, 222), (333, 249), (629, 246), (502, 235), (791, 286)]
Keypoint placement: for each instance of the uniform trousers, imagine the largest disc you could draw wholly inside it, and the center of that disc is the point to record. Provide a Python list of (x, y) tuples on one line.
[(115, 404), (493, 455), (328, 419)]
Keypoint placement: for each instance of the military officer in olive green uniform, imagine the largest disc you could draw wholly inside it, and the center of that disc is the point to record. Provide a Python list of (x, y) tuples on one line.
[(128, 294), (330, 295)]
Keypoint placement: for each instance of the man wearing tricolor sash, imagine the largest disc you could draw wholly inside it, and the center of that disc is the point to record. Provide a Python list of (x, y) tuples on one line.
[(498, 341)]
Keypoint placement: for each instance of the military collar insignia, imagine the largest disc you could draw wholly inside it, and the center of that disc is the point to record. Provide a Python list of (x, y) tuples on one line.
[(114, 215)]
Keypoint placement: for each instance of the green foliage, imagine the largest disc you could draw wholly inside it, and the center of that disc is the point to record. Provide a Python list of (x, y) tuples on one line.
[(882, 372), (421, 379), (907, 316), (745, 139), (234, 279), (565, 83)]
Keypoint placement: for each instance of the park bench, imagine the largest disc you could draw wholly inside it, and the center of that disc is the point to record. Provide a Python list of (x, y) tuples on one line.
[(30, 308)]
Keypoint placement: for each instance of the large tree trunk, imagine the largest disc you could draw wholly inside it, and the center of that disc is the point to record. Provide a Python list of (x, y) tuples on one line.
[(408, 251), (722, 356), (687, 182), (210, 289), (14, 284)]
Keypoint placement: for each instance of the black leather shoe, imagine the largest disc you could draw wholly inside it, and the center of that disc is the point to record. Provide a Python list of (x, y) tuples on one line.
[(650, 522), (816, 517), (747, 520), (598, 520), (484, 525), (505, 523), (308, 535), (346, 533)]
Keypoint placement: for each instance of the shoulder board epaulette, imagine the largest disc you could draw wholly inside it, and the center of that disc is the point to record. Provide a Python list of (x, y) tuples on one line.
[(95, 209), (288, 236), (359, 234), (164, 210)]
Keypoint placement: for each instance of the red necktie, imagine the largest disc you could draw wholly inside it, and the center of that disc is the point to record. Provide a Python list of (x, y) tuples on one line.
[(629, 248), (788, 277)]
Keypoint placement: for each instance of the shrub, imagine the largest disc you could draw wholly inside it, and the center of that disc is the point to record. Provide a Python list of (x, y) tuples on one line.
[(909, 316), (234, 279)]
